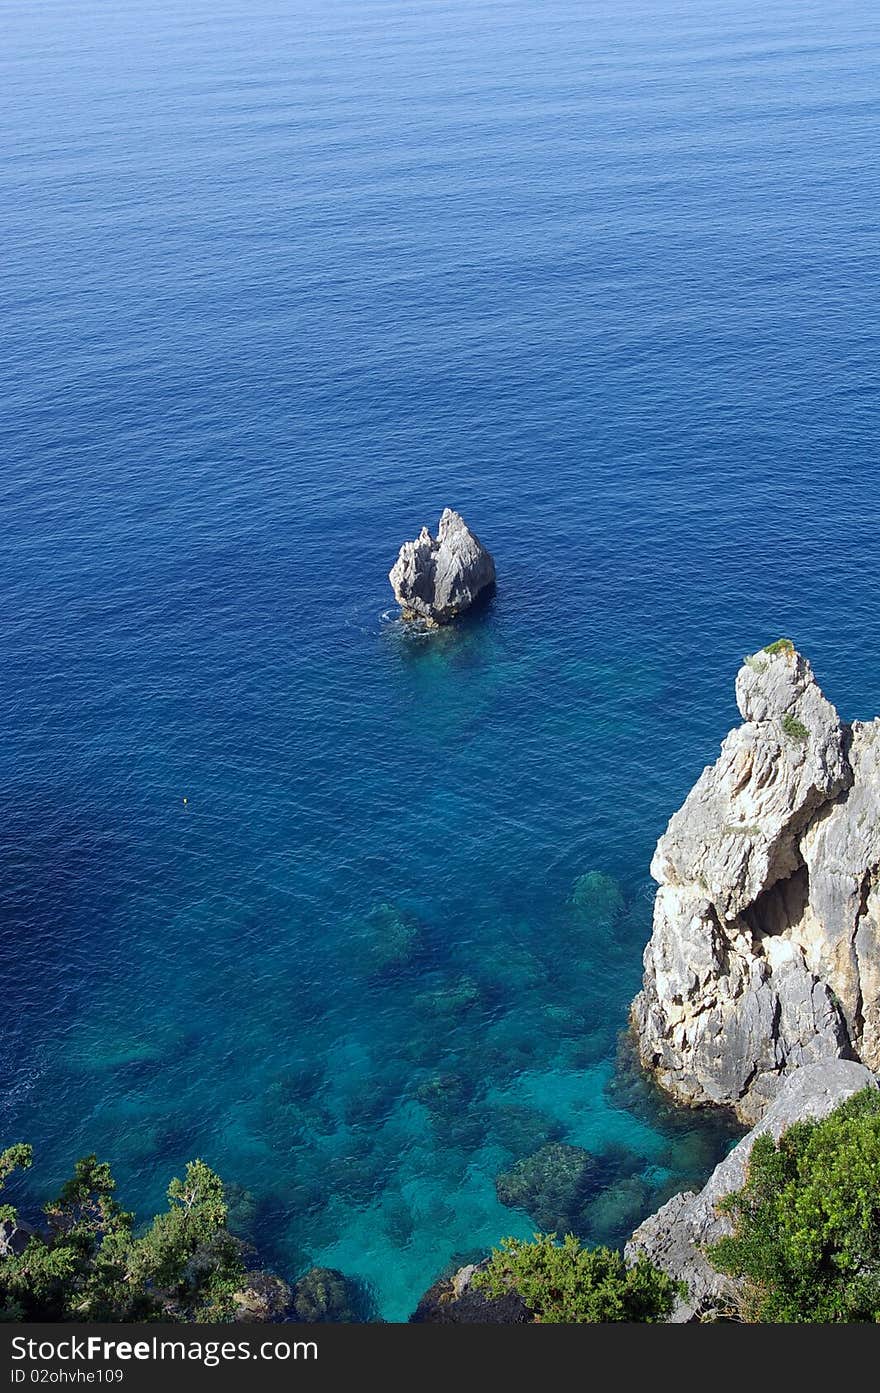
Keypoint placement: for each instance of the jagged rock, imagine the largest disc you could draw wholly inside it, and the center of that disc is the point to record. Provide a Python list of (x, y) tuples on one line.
[(674, 1236), (437, 578), (265, 1298), (14, 1237), (773, 774), (765, 952), (455, 1301), (840, 931)]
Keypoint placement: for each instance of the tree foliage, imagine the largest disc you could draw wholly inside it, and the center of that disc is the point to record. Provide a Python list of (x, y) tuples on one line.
[(88, 1263), (806, 1240), (567, 1284)]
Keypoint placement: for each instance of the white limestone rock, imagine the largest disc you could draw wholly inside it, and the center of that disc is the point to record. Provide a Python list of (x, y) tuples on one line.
[(840, 932), (437, 578), (765, 951), (737, 833)]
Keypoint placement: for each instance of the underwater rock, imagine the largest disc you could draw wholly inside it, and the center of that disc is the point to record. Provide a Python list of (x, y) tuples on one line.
[(241, 1207), (673, 1238), (305, 1081), (598, 897), (610, 1217), (370, 1103), (458, 996), (584, 1050), (444, 1095), (292, 1110), (448, 1098), (765, 952), (398, 1218), (386, 938), (521, 1130), (437, 578), (325, 1296), (552, 1186), (698, 1137), (454, 1301), (359, 1174)]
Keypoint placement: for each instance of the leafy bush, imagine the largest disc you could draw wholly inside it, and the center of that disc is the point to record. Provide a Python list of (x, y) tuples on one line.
[(89, 1264), (806, 1238), (782, 645), (567, 1284), (793, 728)]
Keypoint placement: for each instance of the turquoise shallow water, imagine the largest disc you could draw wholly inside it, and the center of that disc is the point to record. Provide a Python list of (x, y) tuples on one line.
[(281, 281)]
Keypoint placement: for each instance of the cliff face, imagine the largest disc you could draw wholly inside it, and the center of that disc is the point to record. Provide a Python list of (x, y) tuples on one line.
[(765, 951), (675, 1237)]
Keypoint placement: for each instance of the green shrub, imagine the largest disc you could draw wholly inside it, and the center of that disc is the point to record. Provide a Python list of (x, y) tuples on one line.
[(793, 728), (782, 645), (806, 1238), (89, 1264), (567, 1284)]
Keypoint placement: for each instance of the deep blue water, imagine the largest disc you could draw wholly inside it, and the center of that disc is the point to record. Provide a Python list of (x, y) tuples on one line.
[(281, 280)]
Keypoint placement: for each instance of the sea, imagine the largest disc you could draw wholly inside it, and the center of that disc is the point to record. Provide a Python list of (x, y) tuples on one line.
[(350, 910)]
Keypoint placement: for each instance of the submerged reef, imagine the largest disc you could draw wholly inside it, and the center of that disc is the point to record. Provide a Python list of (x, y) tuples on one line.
[(598, 897), (765, 952), (551, 1186), (386, 938), (437, 578), (324, 1296)]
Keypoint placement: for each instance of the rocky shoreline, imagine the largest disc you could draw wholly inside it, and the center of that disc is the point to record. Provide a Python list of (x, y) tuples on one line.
[(761, 989), (675, 1237)]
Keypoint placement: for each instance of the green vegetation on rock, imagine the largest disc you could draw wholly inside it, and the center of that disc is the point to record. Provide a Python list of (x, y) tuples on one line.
[(782, 645), (806, 1240), (568, 1284), (793, 728)]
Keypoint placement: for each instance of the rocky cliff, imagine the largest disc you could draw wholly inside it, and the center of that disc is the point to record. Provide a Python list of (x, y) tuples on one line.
[(674, 1237), (437, 578), (765, 951)]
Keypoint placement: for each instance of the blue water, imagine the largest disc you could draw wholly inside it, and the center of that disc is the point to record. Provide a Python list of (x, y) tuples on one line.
[(281, 280)]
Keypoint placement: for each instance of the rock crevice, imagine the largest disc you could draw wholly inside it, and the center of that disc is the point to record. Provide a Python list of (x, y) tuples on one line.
[(765, 951)]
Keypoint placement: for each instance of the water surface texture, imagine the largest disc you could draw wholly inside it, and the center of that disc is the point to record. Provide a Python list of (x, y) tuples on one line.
[(281, 280)]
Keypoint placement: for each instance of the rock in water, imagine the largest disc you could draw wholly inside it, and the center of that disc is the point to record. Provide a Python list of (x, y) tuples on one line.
[(437, 578), (765, 953), (552, 1186), (263, 1297), (455, 1301), (325, 1296)]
